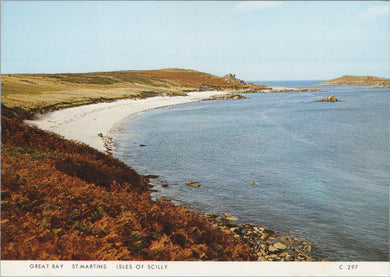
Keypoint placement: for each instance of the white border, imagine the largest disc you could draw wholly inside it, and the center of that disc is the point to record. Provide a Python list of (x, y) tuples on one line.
[(158, 268)]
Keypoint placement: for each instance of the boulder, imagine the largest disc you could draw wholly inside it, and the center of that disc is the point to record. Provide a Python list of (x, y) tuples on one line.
[(284, 254), (230, 217), (287, 240), (330, 98), (193, 184), (280, 246), (272, 249), (210, 215)]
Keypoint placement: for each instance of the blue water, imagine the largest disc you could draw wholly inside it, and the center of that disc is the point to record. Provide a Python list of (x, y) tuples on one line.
[(322, 170)]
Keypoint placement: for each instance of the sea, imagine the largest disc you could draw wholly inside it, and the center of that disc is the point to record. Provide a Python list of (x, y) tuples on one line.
[(321, 170)]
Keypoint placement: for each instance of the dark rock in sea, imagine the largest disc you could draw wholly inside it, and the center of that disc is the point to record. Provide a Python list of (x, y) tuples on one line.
[(193, 184), (330, 98), (164, 185), (142, 145), (151, 176)]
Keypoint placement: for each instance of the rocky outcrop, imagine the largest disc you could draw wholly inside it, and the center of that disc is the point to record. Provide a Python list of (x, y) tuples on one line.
[(193, 184), (231, 79), (203, 87), (230, 96), (382, 84), (267, 245), (281, 89), (330, 98)]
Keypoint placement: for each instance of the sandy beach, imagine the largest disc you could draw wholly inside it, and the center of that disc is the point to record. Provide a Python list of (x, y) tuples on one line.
[(91, 124)]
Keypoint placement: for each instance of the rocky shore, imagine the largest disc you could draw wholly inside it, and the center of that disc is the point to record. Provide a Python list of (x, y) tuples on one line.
[(277, 90), (382, 84), (266, 244), (237, 94), (229, 96)]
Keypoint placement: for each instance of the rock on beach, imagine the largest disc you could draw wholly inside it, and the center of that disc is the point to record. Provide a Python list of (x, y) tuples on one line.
[(230, 217), (266, 244)]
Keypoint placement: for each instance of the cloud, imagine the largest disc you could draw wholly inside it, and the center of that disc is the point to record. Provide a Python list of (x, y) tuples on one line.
[(375, 12), (256, 5)]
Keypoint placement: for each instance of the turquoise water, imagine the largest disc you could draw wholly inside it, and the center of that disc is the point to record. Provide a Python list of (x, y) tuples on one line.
[(321, 169)]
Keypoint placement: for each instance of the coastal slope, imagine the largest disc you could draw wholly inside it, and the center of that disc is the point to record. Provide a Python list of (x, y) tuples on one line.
[(348, 80), (62, 200)]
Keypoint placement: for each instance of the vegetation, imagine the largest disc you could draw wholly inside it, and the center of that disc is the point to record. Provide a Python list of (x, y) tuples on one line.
[(39, 93), (63, 200)]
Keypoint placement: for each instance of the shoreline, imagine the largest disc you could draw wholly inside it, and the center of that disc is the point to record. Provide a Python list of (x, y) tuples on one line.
[(99, 123), (92, 124)]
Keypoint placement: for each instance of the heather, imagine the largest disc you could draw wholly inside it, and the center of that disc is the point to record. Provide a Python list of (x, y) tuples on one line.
[(62, 200)]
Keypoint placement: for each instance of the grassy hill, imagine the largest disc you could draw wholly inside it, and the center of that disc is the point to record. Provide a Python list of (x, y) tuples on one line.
[(35, 93), (357, 81)]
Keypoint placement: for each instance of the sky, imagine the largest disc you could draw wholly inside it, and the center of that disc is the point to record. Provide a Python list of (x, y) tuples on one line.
[(256, 40)]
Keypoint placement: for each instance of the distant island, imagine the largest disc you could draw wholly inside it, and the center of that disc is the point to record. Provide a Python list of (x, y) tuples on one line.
[(348, 80)]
